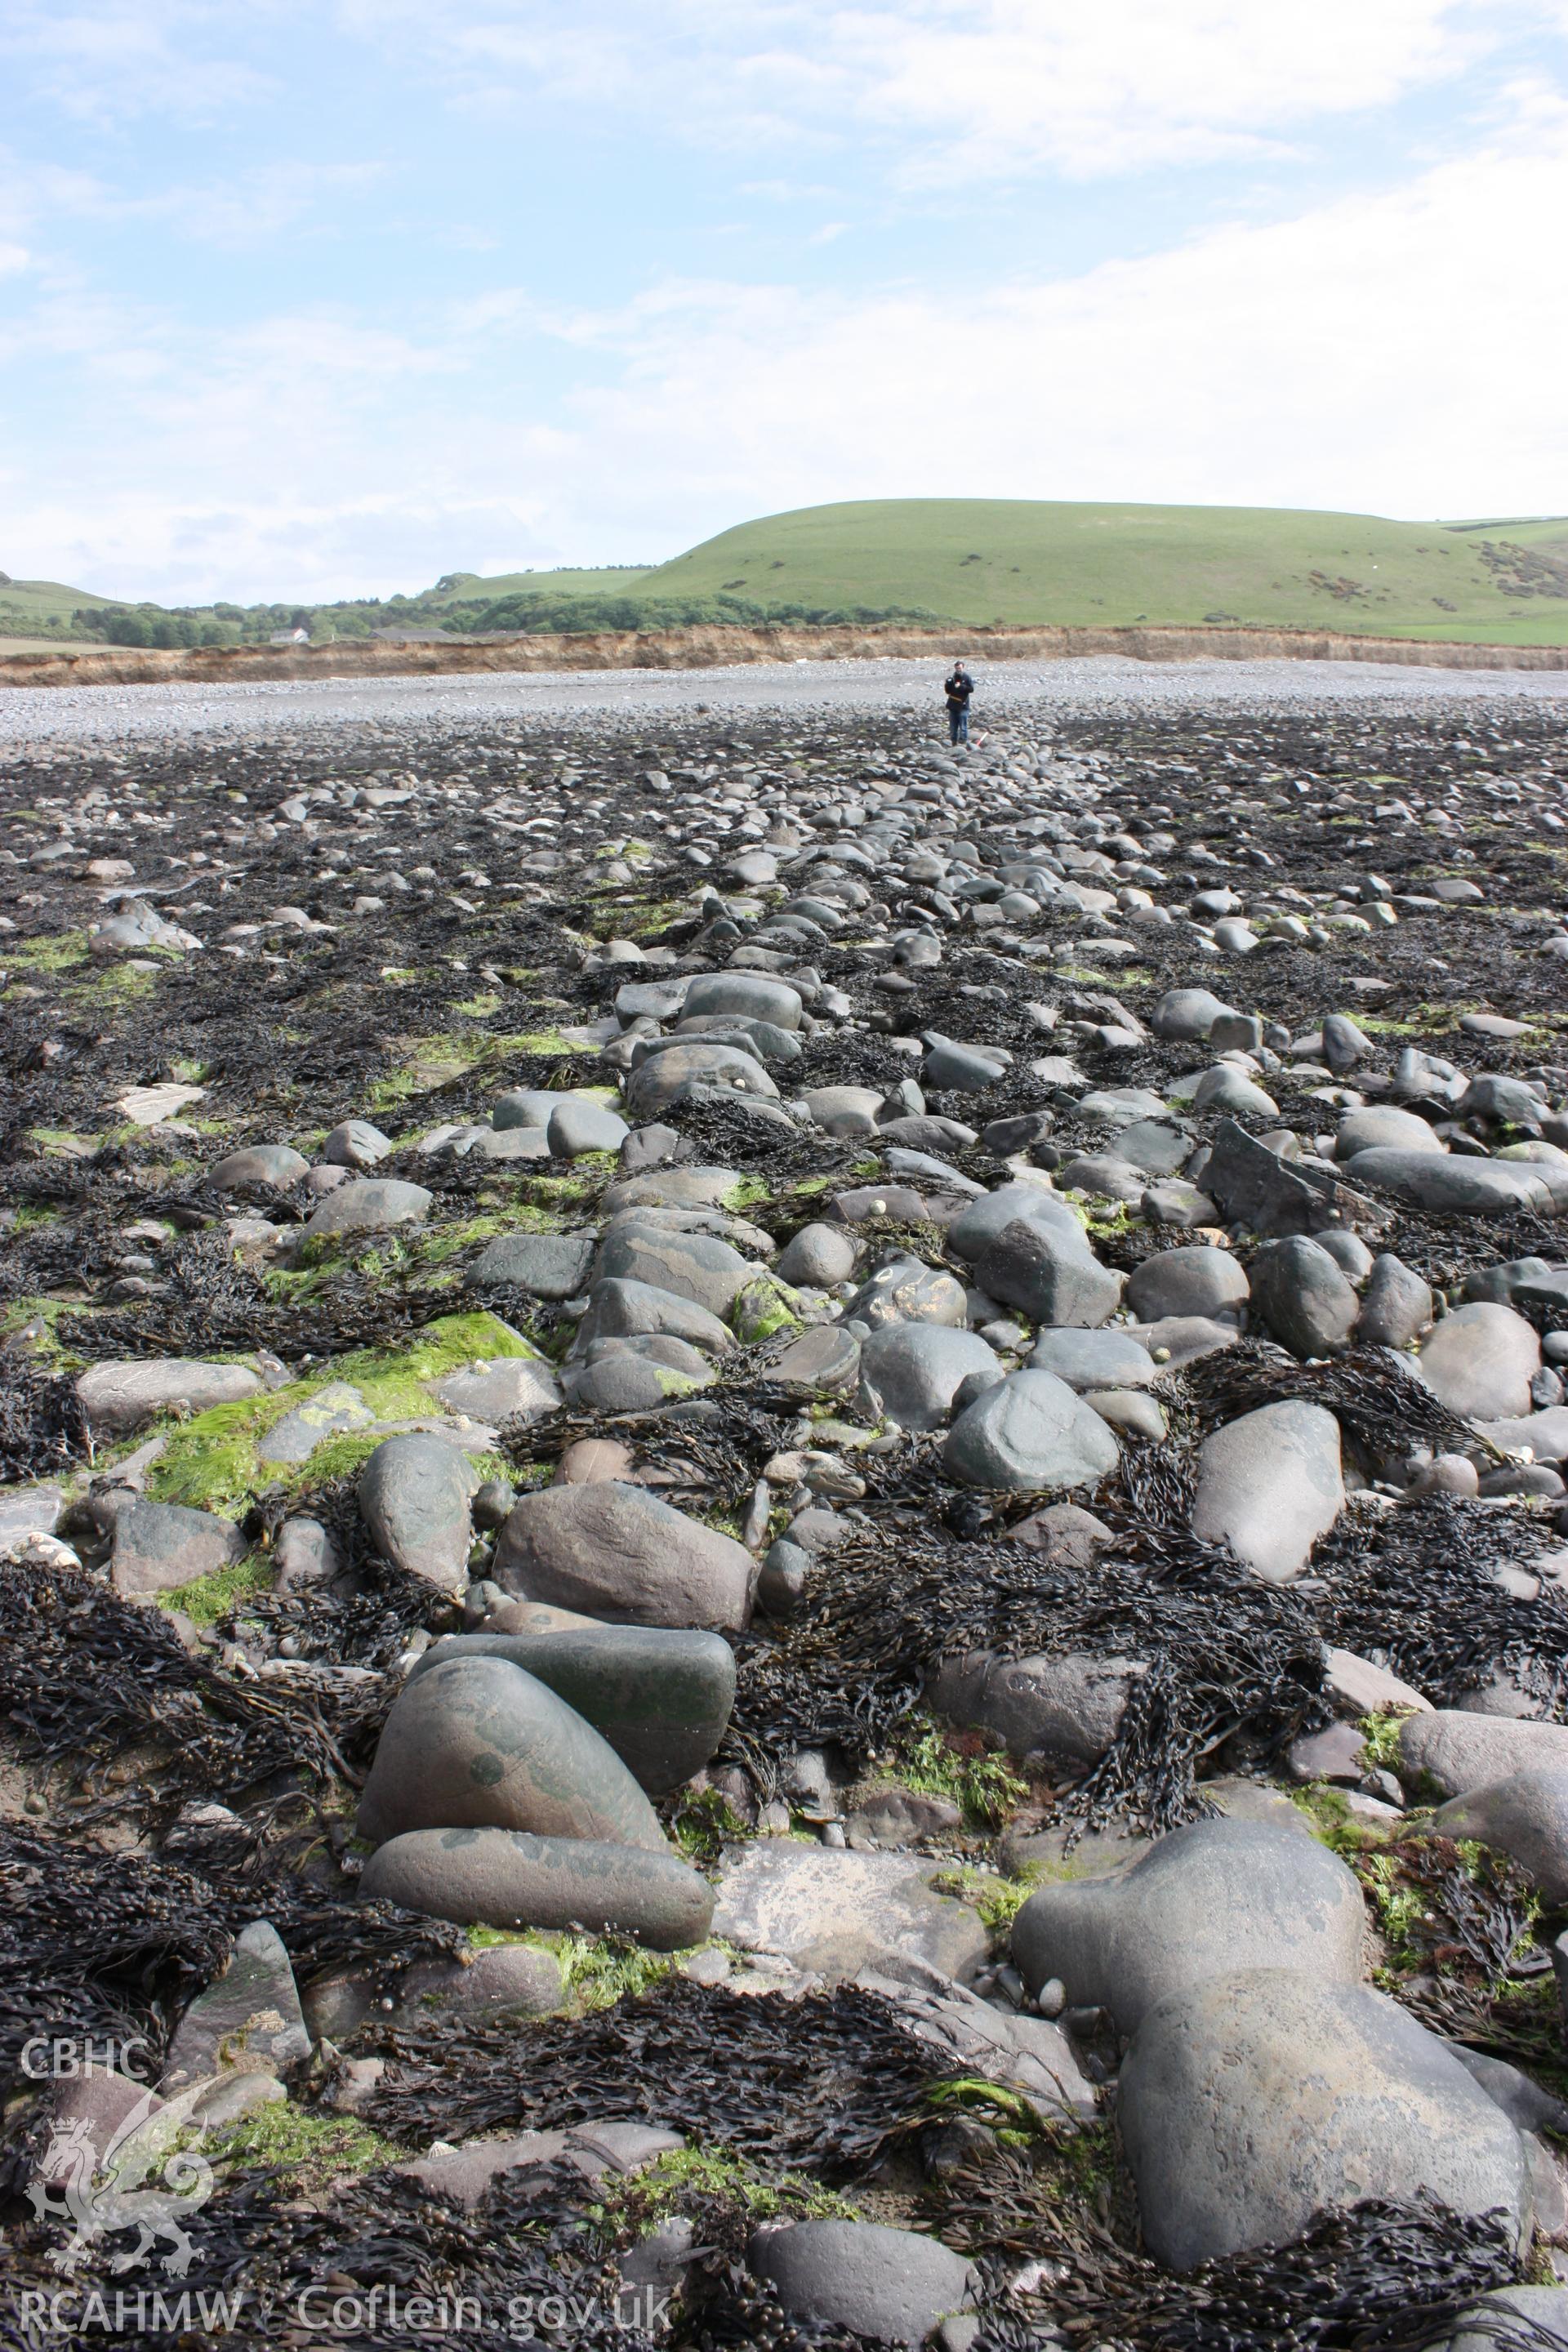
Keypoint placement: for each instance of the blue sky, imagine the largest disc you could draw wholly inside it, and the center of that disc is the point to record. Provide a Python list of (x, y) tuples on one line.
[(308, 298)]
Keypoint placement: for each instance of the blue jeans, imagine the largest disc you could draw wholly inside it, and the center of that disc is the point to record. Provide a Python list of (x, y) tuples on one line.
[(958, 722)]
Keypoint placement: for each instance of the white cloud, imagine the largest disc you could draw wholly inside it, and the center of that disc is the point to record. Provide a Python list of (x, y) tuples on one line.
[(107, 60), (957, 90), (1401, 352)]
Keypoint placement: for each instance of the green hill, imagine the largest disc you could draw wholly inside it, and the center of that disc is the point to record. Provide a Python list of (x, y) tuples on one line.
[(1018, 563), (28, 605), (466, 587)]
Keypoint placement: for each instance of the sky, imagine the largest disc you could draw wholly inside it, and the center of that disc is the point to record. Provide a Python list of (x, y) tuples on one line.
[(301, 298)]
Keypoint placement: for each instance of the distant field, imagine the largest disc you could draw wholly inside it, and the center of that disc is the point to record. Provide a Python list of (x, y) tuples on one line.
[(1020, 562)]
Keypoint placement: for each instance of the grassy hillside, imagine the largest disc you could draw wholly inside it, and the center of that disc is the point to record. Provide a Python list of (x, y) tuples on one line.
[(468, 587), (26, 605), (1491, 580), (1023, 562)]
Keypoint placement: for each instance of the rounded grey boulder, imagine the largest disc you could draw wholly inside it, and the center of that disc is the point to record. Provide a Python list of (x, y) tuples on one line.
[(1397, 1306), (509, 1878), (911, 1372), (414, 1495), (890, 2286), (1030, 1431), (1270, 1484), (1479, 1361), (692, 1265), (1093, 1360), (618, 1310), (259, 1163), (752, 994), (374, 1204), (908, 1291), (1250, 2101), (158, 1547), (1187, 1014), (1047, 1271), (1456, 1752), (1208, 1899), (818, 1255), (660, 1697), (477, 1743), (577, 1126), (663, 1078), (355, 1144), (1524, 1816), (1303, 1297), (1464, 1187), (1193, 1279), (1065, 1709), (617, 1551)]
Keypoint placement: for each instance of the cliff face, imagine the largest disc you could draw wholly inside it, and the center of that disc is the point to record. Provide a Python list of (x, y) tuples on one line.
[(714, 649)]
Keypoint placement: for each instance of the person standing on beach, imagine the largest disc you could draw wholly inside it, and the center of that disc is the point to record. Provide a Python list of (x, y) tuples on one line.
[(959, 687)]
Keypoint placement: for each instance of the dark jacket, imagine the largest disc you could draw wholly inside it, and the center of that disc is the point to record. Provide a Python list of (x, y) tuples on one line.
[(958, 689)]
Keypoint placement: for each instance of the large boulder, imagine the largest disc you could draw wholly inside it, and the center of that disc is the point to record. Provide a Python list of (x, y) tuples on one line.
[(1455, 1186), (1303, 1297), (660, 1697), (158, 1547), (509, 1878), (885, 2286), (839, 1911), (1479, 1361), (908, 1291), (1194, 1279), (1210, 1898), (687, 1061), (373, 1205), (1030, 1431), (500, 1388), (619, 1310), (618, 1553), (1046, 1271), (478, 1744), (1524, 1816), (258, 1166), (1094, 1359), (355, 1143), (577, 1126), (750, 995), (546, 1265), (1455, 1752), (911, 1372), (1270, 1484), (1252, 2101), (1397, 1306), (637, 1375), (1187, 1016), (118, 1398), (690, 1265), (1064, 1710), (414, 1495)]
